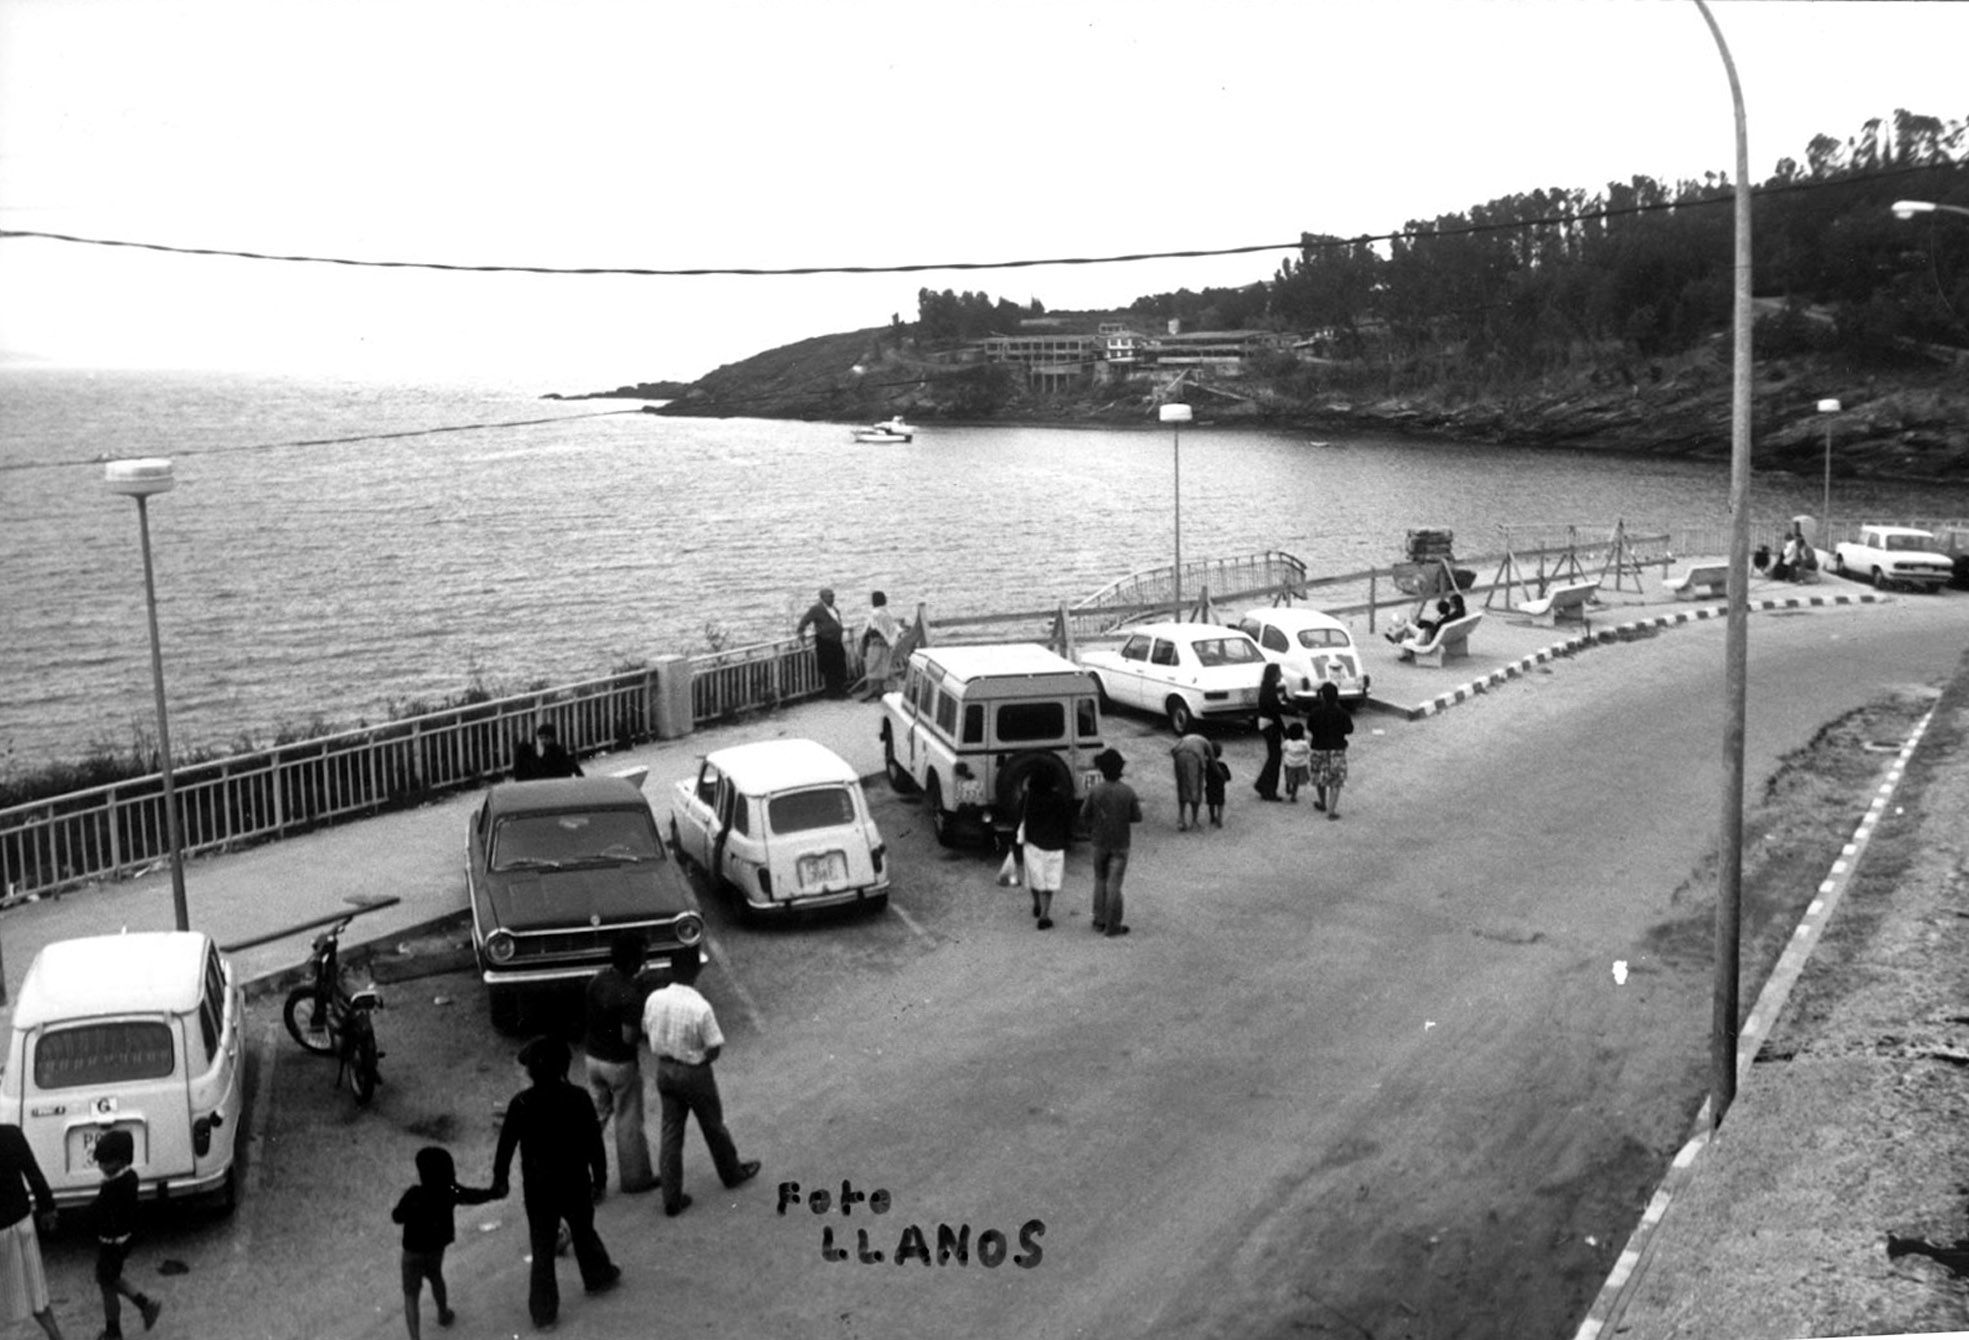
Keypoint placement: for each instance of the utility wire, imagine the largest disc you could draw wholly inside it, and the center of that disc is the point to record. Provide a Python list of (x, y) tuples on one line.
[(1304, 243)]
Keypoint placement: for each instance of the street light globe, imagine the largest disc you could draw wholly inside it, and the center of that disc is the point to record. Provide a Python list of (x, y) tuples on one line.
[(1175, 412), (1828, 406), (1907, 209), (139, 478)]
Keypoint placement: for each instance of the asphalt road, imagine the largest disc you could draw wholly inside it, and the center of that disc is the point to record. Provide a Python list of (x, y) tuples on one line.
[(1374, 1077)]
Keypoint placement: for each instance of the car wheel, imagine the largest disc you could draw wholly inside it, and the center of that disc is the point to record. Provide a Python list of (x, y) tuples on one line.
[(1879, 580), (1839, 565), (227, 1198), (1181, 719), (1101, 695), (940, 822), (877, 905), (900, 781), (505, 1008)]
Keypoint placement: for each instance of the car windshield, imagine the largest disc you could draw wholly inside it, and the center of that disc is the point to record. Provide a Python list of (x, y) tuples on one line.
[(108, 1053), (553, 840), (1226, 651), (823, 807), (1322, 637)]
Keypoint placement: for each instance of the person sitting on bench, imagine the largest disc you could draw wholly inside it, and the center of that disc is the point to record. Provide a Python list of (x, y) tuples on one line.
[(1448, 609)]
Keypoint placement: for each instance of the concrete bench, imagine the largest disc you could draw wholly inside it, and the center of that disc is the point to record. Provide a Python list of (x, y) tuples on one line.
[(1702, 579), (1450, 640), (1565, 603)]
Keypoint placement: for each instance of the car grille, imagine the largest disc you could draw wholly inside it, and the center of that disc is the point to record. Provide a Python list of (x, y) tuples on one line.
[(583, 942)]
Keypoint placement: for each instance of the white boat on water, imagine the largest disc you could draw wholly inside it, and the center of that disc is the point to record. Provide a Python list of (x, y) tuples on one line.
[(889, 430)]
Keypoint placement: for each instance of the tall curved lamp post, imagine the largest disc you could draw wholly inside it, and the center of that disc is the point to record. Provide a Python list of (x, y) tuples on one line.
[(140, 479), (1907, 209), (1736, 646), (1176, 414)]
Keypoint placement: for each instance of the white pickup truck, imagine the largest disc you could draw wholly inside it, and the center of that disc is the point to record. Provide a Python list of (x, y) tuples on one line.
[(1894, 556)]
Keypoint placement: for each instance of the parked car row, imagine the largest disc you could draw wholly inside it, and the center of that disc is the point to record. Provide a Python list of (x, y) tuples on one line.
[(142, 1032)]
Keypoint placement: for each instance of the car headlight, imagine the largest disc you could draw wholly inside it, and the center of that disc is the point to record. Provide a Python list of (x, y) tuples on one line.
[(499, 947), (689, 929)]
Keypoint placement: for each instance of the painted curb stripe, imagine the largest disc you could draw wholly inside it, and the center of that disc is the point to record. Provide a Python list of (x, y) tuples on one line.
[(1641, 1245)]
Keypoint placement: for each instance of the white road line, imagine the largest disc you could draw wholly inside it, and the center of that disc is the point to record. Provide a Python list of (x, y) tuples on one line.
[(910, 922)]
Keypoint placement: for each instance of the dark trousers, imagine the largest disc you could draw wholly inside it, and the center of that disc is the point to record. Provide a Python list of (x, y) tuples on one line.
[(832, 659), (1267, 783), (1109, 867), (543, 1230), (685, 1090)]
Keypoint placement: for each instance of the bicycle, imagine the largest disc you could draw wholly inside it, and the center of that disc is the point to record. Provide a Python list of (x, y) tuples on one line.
[(329, 1020)]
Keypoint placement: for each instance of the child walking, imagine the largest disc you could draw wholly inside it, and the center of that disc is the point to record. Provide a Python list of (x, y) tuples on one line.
[(1297, 755), (428, 1228), (115, 1214), (1215, 774)]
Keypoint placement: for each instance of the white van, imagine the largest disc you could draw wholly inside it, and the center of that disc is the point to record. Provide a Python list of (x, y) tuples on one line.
[(136, 1032)]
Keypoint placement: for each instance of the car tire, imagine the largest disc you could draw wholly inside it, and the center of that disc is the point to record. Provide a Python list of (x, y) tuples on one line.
[(1839, 565), (941, 824), (1101, 695), (1879, 580), (1181, 719), (505, 1008), (1014, 774), (877, 905), (900, 781)]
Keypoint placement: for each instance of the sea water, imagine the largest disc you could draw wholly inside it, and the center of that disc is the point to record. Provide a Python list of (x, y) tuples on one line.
[(336, 551)]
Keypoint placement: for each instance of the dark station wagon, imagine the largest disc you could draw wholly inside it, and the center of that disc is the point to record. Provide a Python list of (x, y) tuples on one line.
[(556, 870)]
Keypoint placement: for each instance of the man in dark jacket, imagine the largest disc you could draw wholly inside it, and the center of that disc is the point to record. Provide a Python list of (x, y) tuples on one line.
[(545, 757), (564, 1169), (830, 652)]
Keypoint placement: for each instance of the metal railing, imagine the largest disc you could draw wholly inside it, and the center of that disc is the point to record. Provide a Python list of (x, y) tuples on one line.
[(118, 829)]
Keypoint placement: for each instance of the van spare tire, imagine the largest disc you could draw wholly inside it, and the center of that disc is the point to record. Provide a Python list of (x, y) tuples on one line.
[(1012, 779)]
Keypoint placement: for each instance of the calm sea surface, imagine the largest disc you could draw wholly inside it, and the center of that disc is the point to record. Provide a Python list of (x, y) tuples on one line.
[(334, 548)]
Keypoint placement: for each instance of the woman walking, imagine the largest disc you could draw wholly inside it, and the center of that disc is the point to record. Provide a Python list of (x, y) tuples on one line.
[(1045, 829), (1328, 726), (1271, 722)]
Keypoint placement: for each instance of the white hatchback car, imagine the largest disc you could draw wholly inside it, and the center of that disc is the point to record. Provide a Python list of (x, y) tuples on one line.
[(139, 1033), (1188, 672), (1312, 648), (784, 824)]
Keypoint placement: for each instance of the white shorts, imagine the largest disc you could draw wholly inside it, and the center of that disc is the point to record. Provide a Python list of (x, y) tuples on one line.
[(23, 1285), (1044, 869)]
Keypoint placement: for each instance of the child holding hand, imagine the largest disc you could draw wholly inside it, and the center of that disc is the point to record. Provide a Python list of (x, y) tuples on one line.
[(1297, 756), (425, 1211)]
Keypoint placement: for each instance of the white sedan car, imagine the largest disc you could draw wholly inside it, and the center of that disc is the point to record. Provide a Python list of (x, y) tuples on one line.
[(784, 825), (1188, 672), (1312, 648)]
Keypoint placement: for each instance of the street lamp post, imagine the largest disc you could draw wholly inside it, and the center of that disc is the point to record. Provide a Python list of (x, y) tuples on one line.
[(1907, 209), (1736, 640), (140, 479), (1827, 408), (1176, 414)]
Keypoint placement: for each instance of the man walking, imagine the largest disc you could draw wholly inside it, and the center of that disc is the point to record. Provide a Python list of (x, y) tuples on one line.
[(684, 1034), (564, 1170), (612, 1017), (830, 653), (1111, 809)]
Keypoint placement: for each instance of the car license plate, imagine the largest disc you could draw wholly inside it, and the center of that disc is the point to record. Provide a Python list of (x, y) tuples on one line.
[(1088, 779), (82, 1144), (823, 868), (970, 791)]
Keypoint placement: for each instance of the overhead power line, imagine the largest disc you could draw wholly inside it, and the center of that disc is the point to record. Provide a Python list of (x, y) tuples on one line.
[(1298, 244)]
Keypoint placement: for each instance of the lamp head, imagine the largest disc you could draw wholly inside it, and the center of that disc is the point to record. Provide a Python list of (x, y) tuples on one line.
[(139, 478), (1828, 406), (1175, 412), (1907, 209)]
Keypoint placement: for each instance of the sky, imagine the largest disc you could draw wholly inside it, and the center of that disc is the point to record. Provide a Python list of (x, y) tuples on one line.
[(741, 133)]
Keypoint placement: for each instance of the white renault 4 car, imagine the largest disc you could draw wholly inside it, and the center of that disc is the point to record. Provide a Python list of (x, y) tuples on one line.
[(784, 825), (139, 1033)]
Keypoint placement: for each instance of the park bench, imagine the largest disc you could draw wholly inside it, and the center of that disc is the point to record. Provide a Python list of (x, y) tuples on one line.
[(1565, 603), (1450, 640), (1702, 579)]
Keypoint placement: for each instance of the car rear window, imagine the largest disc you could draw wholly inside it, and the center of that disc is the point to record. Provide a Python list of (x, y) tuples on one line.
[(1322, 637), (111, 1053), (824, 807), (1031, 721), (561, 838), (1226, 651)]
